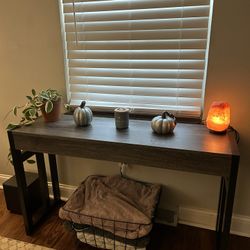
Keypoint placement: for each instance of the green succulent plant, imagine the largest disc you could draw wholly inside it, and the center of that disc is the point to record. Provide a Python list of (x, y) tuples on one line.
[(30, 111)]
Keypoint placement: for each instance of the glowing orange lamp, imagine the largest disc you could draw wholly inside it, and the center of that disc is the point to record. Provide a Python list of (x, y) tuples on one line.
[(218, 118)]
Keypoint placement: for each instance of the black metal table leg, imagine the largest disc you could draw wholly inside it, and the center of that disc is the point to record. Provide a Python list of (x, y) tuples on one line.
[(229, 200), (22, 185), (54, 178), (220, 213), (43, 179)]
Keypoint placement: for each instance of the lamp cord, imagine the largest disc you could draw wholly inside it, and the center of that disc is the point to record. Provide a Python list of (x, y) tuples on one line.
[(236, 133)]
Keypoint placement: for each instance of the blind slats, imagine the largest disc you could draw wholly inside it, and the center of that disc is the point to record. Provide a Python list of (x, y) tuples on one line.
[(142, 54), (137, 73), (137, 82), (141, 100), (173, 2), (138, 44), (171, 23), (197, 33), (137, 64), (151, 108), (137, 54), (86, 6), (155, 13), (127, 90)]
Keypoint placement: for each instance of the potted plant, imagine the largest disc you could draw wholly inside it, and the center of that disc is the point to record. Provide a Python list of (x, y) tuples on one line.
[(50, 103), (47, 102)]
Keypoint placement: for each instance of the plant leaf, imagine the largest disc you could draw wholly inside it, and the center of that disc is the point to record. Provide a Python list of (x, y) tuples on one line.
[(27, 117), (12, 126), (26, 110), (28, 123), (26, 113), (44, 96), (10, 159), (31, 161), (38, 104), (67, 107), (33, 92), (29, 97), (48, 106), (15, 110), (32, 112)]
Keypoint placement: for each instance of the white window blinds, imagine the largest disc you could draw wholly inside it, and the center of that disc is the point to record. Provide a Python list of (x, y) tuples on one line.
[(149, 55)]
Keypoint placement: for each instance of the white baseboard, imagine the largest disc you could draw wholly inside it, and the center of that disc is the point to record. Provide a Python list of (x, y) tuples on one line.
[(197, 217), (204, 218), (66, 190), (3, 178)]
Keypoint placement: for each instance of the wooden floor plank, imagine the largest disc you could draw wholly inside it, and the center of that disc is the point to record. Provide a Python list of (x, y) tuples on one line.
[(53, 234)]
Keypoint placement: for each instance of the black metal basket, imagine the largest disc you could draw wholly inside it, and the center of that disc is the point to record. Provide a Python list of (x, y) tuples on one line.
[(110, 234), (100, 238)]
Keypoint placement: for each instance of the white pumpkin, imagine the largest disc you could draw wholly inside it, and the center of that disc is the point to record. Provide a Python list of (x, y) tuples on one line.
[(83, 115), (163, 124)]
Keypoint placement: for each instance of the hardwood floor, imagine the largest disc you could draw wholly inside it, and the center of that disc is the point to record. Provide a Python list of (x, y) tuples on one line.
[(53, 234)]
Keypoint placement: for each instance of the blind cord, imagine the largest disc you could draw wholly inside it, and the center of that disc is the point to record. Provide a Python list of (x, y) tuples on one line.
[(74, 11), (179, 59)]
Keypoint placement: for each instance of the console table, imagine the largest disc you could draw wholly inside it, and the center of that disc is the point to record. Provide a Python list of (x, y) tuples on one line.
[(191, 148)]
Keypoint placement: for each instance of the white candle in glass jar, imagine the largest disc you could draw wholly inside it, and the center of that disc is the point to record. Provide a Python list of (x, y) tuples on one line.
[(121, 118)]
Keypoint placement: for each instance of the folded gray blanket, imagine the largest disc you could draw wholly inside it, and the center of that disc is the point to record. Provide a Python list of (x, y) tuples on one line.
[(115, 204)]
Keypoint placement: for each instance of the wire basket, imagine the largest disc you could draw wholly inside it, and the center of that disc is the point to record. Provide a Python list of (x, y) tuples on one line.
[(100, 238), (108, 233)]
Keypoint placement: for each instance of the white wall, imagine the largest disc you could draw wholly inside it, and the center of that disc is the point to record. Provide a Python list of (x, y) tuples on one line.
[(31, 56), (229, 80)]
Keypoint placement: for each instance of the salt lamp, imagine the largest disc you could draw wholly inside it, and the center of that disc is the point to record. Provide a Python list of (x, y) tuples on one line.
[(218, 118)]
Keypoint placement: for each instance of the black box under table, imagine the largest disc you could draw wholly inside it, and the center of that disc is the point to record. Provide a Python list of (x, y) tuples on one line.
[(11, 193)]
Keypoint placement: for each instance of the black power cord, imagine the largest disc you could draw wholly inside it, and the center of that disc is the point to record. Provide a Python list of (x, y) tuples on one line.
[(236, 133)]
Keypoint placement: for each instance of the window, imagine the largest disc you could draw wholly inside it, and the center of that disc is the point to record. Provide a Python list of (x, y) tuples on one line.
[(149, 55)]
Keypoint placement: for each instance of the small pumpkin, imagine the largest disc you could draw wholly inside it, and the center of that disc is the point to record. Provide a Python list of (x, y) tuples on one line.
[(163, 124), (83, 115)]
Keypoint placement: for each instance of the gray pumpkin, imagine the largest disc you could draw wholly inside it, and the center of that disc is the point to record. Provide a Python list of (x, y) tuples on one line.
[(164, 124), (83, 115)]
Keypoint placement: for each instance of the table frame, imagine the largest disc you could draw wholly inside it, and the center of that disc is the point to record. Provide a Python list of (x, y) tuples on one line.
[(25, 143)]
